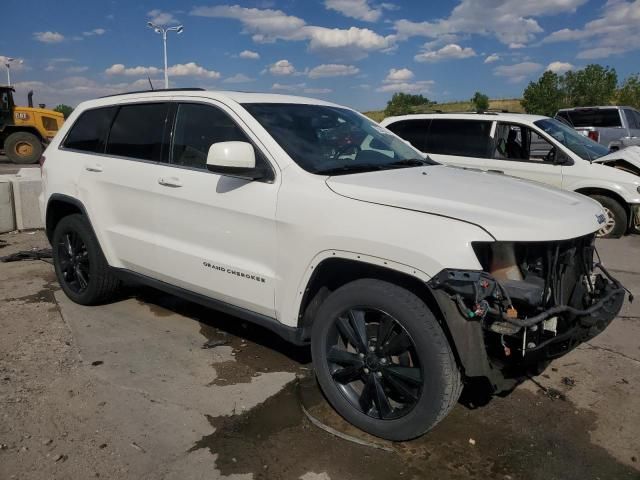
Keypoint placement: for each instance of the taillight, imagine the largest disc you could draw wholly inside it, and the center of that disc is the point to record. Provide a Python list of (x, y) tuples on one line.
[(41, 161), (594, 135)]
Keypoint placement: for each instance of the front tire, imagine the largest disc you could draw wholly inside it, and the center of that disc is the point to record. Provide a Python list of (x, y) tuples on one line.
[(23, 148), (616, 222), (80, 266), (383, 361)]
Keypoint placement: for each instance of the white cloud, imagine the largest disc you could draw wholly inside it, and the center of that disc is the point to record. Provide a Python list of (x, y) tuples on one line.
[(238, 78), (559, 67), (268, 25), (613, 33), (494, 57), (451, 51), (422, 86), (288, 87), (190, 69), (77, 69), (510, 21), (358, 9), (333, 70), (317, 91), (159, 17), (401, 80), (282, 68), (48, 37), (248, 54), (95, 31), (399, 75), (516, 45), (518, 72)]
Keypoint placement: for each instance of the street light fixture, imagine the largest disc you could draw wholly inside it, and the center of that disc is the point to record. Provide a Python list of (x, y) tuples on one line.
[(163, 30), (7, 63)]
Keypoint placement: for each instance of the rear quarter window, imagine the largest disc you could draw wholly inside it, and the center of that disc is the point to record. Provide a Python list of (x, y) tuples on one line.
[(413, 131), (597, 117), (468, 138), (89, 132)]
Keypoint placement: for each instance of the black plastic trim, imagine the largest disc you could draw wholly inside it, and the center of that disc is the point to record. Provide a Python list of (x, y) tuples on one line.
[(290, 334)]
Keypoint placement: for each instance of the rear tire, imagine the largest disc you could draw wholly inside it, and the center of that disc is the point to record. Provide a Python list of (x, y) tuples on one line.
[(23, 148), (413, 350), (80, 266), (617, 219)]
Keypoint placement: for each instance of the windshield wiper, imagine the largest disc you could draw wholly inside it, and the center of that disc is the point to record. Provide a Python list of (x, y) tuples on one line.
[(413, 162), (363, 167)]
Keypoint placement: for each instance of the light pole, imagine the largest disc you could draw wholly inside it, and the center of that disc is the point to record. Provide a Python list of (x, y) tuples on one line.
[(7, 63), (163, 30)]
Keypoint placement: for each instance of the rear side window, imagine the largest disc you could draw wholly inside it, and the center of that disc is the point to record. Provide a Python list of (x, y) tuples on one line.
[(632, 118), (138, 131), (89, 133), (595, 117), (413, 131), (468, 138), (197, 128)]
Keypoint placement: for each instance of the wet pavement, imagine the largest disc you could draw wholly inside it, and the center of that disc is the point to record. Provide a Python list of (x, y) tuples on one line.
[(155, 387)]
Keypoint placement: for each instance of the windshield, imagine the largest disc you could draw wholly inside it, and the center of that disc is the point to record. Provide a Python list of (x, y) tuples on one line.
[(333, 141), (582, 146)]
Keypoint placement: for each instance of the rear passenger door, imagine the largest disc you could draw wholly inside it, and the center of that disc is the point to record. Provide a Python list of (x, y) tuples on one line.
[(120, 148), (216, 233), (463, 143)]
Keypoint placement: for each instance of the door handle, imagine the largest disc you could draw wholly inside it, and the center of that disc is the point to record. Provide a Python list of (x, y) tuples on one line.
[(496, 171), (93, 168), (172, 182)]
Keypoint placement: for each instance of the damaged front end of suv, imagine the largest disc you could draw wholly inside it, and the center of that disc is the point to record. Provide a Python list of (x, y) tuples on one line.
[(531, 303)]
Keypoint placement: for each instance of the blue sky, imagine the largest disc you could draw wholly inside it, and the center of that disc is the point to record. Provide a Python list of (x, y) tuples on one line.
[(354, 52)]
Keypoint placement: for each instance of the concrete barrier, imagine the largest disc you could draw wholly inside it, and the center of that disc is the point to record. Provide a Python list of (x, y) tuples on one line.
[(19, 206), (7, 212)]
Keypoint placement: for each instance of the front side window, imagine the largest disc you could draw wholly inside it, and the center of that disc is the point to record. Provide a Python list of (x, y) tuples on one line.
[(198, 127), (89, 133), (467, 138), (138, 131), (517, 142), (413, 131), (582, 146), (330, 140)]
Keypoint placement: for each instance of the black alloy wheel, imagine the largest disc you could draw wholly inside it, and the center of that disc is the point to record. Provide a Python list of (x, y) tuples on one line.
[(373, 362), (74, 262)]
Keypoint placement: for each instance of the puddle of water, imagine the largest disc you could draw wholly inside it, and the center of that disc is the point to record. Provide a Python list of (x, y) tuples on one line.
[(275, 441)]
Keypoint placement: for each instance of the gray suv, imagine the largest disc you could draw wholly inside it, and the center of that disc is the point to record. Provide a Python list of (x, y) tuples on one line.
[(612, 126)]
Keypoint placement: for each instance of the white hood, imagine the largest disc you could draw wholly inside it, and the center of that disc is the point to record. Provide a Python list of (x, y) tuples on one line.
[(629, 154), (508, 208)]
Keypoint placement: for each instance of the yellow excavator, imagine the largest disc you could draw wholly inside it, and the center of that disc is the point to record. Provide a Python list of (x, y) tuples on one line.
[(25, 131)]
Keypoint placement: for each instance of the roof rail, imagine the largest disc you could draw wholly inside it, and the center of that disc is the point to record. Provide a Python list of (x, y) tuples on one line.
[(190, 89)]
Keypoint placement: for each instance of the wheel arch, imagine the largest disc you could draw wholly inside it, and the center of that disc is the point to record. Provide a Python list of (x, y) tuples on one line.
[(60, 206), (340, 268), (589, 191)]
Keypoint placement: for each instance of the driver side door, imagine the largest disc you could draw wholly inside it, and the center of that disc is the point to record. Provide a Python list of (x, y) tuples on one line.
[(521, 152)]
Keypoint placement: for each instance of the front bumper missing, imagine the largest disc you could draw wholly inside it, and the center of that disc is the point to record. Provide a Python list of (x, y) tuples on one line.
[(495, 341)]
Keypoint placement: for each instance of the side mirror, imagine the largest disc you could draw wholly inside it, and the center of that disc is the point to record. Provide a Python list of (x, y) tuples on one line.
[(236, 159), (560, 158)]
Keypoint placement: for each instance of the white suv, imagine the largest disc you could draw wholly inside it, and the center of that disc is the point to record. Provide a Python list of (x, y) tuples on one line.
[(535, 148), (408, 278)]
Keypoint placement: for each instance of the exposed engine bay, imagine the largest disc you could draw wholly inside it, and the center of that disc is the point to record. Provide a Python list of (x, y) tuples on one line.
[(534, 300)]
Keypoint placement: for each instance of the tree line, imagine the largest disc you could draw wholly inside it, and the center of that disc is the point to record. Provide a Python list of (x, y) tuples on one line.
[(593, 85)]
